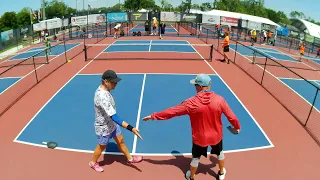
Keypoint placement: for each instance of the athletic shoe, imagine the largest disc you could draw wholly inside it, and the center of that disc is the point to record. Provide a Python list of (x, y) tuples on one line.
[(96, 167), (222, 176), (135, 159), (188, 173)]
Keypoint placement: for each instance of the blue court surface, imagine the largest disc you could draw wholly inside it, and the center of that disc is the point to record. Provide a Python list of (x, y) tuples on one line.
[(68, 118), (304, 89), (55, 51), (6, 82), (274, 54), (150, 46)]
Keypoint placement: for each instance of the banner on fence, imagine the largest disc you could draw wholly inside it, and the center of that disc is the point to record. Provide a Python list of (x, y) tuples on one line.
[(139, 16), (190, 17), (92, 19), (317, 41), (117, 17), (7, 35), (229, 21), (254, 25), (210, 19), (170, 16)]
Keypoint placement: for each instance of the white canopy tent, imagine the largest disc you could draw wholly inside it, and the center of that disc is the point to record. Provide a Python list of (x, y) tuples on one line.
[(215, 12), (307, 27)]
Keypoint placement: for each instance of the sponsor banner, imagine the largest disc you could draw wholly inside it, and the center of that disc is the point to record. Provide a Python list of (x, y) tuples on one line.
[(170, 16), (117, 17), (39, 26), (254, 25), (317, 41), (6, 35), (53, 23), (210, 19), (229, 21), (189, 17), (92, 18), (48, 24), (139, 16), (266, 27), (66, 22)]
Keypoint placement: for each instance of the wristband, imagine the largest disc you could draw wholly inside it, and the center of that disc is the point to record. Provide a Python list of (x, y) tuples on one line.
[(129, 127)]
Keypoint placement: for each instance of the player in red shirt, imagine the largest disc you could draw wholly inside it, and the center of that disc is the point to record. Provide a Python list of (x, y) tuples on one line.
[(205, 110)]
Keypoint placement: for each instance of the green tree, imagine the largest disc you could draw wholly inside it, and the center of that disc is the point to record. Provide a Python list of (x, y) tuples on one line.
[(58, 9), (23, 17), (135, 5), (9, 21)]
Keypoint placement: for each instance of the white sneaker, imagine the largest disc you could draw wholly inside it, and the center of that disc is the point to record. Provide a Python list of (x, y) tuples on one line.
[(188, 175), (222, 176)]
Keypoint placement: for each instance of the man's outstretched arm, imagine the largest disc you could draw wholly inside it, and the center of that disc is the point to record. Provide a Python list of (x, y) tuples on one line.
[(169, 113)]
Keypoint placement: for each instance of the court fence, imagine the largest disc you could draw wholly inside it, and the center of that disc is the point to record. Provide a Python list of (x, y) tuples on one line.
[(33, 70), (301, 99)]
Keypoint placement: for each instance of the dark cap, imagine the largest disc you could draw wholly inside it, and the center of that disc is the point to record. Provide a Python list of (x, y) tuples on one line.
[(110, 75)]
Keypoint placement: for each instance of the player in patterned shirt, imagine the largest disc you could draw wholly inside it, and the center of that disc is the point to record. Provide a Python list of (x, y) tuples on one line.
[(107, 122)]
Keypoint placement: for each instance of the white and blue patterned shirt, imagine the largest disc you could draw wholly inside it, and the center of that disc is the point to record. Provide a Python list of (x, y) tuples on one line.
[(105, 107)]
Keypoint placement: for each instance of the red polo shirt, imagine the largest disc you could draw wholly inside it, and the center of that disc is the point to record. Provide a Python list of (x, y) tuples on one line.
[(205, 111)]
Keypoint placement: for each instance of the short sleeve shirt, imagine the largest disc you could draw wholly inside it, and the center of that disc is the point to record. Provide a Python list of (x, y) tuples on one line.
[(105, 107)]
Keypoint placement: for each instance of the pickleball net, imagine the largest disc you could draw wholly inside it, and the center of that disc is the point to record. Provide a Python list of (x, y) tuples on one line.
[(148, 51)]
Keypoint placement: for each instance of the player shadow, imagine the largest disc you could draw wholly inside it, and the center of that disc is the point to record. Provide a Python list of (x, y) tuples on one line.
[(109, 159), (183, 163)]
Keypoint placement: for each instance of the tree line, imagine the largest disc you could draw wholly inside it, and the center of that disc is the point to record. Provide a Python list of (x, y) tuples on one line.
[(55, 8)]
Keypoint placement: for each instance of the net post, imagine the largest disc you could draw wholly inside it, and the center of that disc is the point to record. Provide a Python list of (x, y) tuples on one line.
[(264, 70), (314, 101), (235, 53), (35, 69), (211, 52), (65, 50), (85, 53)]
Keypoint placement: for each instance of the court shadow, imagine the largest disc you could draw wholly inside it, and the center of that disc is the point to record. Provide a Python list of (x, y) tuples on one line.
[(183, 163), (109, 159)]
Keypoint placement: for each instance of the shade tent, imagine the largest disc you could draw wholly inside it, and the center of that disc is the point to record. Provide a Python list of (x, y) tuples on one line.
[(307, 27), (236, 15)]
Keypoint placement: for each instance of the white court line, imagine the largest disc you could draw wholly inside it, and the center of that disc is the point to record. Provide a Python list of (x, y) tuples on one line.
[(40, 67), (278, 80), (150, 45), (10, 77), (297, 79), (271, 144), (15, 140), (11, 84), (139, 154), (134, 146)]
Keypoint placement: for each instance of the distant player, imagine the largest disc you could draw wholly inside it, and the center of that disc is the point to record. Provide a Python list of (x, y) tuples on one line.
[(225, 46), (253, 36), (162, 29), (154, 26), (48, 45), (302, 48), (117, 29)]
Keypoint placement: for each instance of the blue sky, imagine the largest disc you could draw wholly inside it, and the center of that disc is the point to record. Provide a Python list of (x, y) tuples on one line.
[(309, 8)]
